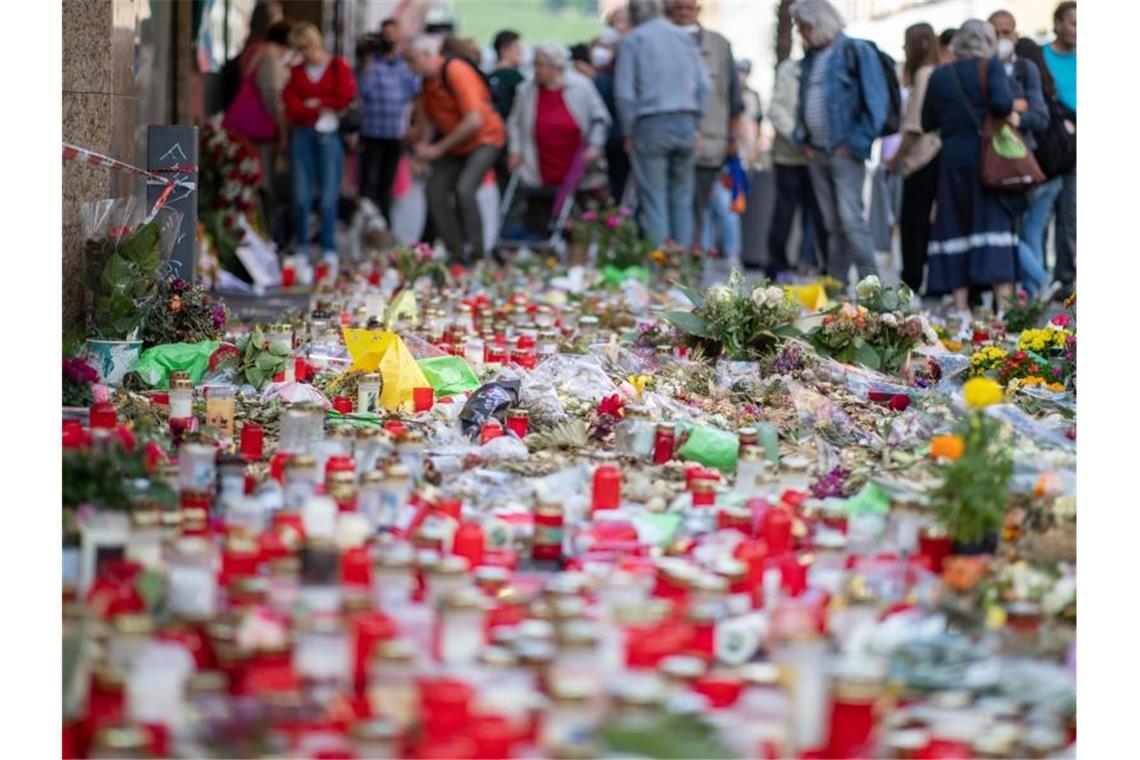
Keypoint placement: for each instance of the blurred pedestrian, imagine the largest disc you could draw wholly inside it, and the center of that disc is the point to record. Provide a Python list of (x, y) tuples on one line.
[(556, 114), (842, 109), (748, 140), (456, 100), (319, 90), (1030, 116), (973, 241), (945, 37), (723, 105), (506, 77), (793, 183), (618, 20), (660, 88), (602, 56), (1061, 58), (917, 156), (1056, 153), (387, 87), (265, 14)]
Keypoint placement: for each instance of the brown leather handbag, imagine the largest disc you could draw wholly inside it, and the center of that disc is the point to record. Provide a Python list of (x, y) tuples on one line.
[(1007, 165)]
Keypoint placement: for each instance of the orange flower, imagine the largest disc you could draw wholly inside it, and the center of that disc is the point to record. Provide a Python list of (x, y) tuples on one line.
[(963, 573), (946, 447), (176, 304), (659, 257)]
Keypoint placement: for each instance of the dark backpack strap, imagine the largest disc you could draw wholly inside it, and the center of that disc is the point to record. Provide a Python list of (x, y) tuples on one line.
[(984, 80), (965, 98)]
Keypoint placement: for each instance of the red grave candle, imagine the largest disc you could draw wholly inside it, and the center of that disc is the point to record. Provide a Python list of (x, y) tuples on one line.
[(607, 488)]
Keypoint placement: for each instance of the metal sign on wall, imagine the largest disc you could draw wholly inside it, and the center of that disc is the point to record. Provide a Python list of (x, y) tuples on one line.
[(172, 152)]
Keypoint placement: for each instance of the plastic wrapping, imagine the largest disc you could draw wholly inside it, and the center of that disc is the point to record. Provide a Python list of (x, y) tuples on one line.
[(1036, 430), (155, 364), (448, 375), (738, 376), (579, 376), (711, 447), (294, 393), (124, 253), (492, 400)]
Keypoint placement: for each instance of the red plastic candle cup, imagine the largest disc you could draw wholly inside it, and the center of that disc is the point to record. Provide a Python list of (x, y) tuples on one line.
[(423, 398), (491, 430), (518, 422), (288, 277), (607, 487), (356, 567), (343, 404), (470, 543), (936, 545), (445, 705), (72, 434), (721, 691), (851, 724), (371, 629), (374, 278), (277, 466), (452, 508), (395, 428), (320, 271), (300, 370), (339, 463), (252, 442), (692, 472), (494, 736), (776, 530), (103, 416), (793, 576)]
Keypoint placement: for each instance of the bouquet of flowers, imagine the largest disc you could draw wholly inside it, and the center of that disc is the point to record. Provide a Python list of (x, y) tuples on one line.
[(744, 322), (183, 313), (228, 182), (78, 377), (416, 261), (1044, 357), (1025, 312), (878, 331)]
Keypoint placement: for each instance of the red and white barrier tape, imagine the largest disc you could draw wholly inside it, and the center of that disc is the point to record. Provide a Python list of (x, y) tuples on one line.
[(91, 158)]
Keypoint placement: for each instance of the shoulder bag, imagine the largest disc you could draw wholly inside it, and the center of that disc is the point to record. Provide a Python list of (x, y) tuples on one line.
[(1007, 165)]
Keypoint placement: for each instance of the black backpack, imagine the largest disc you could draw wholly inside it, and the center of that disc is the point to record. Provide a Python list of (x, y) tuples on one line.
[(890, 74), (1056, 152)]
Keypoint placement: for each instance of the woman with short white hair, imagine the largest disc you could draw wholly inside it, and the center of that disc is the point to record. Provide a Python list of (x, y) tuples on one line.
[(555, 114), (972, 241)]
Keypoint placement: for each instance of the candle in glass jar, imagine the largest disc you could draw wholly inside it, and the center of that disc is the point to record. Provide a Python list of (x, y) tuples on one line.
[(252, 441), (197, 467), (368, 393), (220, 410), (803, 660), (460, 626), (474, 353), (301, 476), (607, 488), (518, 422), (663, 443), (549, 518), (191, 578), (181, 395)]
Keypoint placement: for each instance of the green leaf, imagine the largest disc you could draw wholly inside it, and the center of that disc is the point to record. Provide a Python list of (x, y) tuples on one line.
[(268, 362), (150, 587), (867, 356), (142, 247), (787, 331), (696, 296), (688, 322)]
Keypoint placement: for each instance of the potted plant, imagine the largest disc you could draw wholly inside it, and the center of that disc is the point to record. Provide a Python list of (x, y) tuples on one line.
[(122, 263), (973, 496)]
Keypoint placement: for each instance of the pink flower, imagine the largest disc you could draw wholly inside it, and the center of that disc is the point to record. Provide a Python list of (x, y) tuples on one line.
[(613, 222), (1061, 320), (100, 393)]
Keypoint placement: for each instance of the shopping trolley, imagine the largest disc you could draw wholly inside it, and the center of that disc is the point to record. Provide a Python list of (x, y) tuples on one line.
[(535, 217)]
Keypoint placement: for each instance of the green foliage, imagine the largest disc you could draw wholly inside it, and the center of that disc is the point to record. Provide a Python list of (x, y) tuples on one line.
[(747, 322), (121, 277), (110, 478), (260, 360), (1024, 314), (973, 495), (663, 736)]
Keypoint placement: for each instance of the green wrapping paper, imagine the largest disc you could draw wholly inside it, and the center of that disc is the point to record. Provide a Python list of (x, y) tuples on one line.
[(871, 500), (155, 364), (448, 375), (616, 276), (711, 447)]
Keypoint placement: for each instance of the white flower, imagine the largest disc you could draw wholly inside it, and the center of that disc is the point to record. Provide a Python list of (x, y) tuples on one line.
[(736, 279), (720, 295), (1063, 593), (890, 320), (868, 287), (759, 298), (775, 294)]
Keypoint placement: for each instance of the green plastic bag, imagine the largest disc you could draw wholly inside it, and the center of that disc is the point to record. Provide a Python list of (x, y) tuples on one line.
[(711, 447), (155, 364), (1008, 144), (615, 276), (871, 499), (448, 375)]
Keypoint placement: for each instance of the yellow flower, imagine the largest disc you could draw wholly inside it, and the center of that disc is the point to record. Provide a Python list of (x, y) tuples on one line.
[(638, 382), (995, 616), (952, 345), (659, 257), (981, 392)]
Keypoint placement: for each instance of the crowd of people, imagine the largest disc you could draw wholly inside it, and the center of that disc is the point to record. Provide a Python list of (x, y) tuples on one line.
[(652, 111)]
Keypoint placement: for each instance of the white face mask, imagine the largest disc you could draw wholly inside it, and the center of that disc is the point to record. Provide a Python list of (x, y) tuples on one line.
[(601, 57), (1004, 49), (691, 28)]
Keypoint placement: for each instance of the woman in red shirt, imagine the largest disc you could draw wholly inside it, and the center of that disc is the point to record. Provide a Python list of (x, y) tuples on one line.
[(319, 90), (554, 115)]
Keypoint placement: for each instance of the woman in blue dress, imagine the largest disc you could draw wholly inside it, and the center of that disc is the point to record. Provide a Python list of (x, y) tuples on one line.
[(972, 241)]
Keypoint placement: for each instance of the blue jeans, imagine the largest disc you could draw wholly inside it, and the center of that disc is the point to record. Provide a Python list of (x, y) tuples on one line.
[(1030, 248), (318, 160), (664, 163), (838, 185), (718, 215)]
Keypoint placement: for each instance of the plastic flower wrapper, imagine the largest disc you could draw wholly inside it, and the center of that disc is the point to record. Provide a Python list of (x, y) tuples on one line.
[(294, 393), (581, 377)]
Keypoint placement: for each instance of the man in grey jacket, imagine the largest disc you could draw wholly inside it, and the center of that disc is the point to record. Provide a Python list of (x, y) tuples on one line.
[(723, 103), (659, 88)]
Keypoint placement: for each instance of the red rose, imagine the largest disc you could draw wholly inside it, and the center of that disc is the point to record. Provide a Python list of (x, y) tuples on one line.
[(899, 402), (611, 405)]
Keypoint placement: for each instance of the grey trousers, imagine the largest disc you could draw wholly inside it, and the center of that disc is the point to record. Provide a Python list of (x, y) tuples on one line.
[(451, 189), (838, 185), (702, 196)]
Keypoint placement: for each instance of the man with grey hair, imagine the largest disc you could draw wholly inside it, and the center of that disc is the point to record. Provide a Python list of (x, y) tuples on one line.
[(842, 109), (723, 104), (659, 88)]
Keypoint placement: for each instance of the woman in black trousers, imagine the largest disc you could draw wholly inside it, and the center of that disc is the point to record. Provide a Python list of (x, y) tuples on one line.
[(917, 156)]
